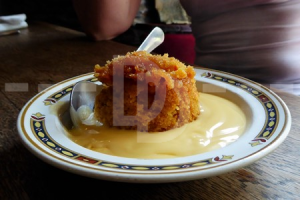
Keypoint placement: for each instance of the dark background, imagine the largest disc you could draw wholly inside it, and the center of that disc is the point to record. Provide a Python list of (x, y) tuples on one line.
[(59, 12), (179, 41)]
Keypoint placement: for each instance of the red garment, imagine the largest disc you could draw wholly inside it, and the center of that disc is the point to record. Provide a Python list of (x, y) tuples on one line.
[(181, 46)]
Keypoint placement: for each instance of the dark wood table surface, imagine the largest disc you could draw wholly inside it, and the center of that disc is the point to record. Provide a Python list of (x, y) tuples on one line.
[(46, 54)]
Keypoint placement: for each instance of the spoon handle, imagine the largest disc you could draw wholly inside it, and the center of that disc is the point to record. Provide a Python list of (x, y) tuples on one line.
[(154, 39)]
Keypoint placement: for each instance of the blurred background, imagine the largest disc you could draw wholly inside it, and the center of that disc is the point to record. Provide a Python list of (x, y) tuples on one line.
[(167, 14)]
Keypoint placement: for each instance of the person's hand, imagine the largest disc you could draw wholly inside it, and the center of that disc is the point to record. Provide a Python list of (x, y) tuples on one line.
[(106, 19)]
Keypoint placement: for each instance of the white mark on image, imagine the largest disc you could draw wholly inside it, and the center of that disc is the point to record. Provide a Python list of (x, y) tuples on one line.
[(16, 87)]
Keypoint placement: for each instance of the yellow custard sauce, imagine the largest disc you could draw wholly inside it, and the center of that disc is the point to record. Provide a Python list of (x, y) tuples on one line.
[(220, 123)]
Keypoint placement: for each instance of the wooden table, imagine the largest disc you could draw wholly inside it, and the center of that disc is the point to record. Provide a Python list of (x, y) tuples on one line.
[(45, 54)]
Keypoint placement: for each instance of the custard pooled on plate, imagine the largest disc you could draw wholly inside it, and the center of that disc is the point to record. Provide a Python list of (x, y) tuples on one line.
[(146, 92)]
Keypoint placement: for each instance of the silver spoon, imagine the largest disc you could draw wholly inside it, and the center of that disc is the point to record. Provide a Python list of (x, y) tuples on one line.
[(84, 93)]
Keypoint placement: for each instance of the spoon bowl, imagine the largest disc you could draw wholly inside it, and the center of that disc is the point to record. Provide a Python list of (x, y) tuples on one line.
[(82, 102), (83, 95)]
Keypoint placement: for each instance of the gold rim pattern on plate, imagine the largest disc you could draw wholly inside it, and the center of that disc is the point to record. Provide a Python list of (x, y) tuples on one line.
[(39, 130)]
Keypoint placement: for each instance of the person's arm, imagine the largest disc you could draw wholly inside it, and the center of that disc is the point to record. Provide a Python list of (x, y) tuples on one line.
[(105, 19)]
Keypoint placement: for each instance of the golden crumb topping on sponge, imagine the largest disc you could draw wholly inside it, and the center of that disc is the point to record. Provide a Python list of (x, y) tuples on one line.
[(143, 66)]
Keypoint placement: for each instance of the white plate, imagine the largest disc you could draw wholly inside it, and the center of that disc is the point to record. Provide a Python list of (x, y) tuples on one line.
[(268, 124)]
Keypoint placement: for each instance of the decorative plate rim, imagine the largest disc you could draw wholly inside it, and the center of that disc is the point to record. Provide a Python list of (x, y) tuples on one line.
[(140, 173)]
